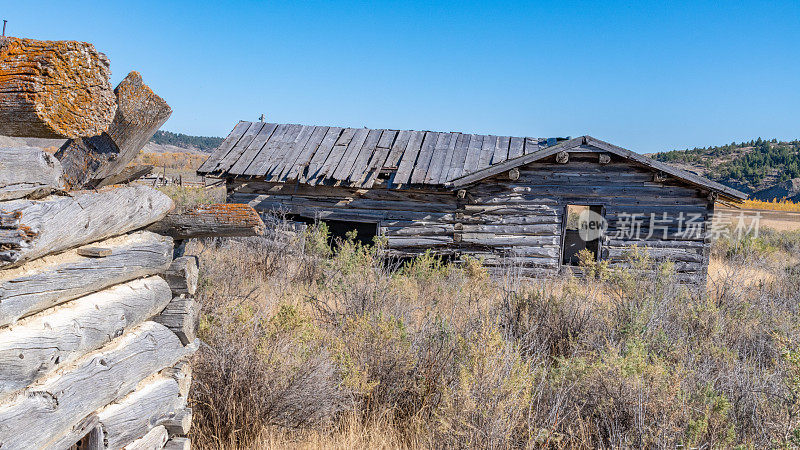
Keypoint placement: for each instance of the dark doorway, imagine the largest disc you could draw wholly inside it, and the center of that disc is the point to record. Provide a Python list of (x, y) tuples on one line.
[(338, 229), (574, 240)]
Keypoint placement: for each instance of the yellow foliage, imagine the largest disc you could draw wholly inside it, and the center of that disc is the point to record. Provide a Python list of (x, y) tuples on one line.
[(175, 160), (774, 205)]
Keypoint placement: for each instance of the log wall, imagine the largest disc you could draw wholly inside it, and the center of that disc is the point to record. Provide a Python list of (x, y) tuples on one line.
[(517, 219), (97, 321)]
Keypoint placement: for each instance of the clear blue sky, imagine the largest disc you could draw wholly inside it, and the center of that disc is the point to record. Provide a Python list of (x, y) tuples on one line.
[(645, 75)]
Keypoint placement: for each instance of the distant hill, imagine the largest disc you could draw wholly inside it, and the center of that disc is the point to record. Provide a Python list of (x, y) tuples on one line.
[(762, 168), (205, 144)]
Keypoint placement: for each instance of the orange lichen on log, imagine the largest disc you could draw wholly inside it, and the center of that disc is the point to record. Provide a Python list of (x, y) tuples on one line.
[(93, 161), (218, 220), (228, 213), (53, 89)]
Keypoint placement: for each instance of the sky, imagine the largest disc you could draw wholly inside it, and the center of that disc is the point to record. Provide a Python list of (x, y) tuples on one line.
[(645, 75)]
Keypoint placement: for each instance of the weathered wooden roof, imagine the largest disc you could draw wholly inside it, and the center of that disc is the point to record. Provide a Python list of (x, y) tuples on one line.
[(356, 156)]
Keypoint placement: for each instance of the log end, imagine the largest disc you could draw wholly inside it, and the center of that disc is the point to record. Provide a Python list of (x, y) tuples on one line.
[(54, 89)]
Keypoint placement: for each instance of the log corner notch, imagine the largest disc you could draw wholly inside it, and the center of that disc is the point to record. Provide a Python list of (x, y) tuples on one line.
[(53, 89), (93, 162)]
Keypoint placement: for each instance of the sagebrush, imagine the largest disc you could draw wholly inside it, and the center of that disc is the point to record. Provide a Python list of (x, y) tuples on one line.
[(313, 345)]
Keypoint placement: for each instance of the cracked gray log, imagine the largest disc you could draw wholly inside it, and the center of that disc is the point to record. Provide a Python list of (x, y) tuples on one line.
[(53, 89), (182, 374), (30, 229), (77, 433), (218, 220), (47, 410), (178, 443), (40, 344), (28, 172), (155, 402), (55, 279), (155, 439), (180, 423), (182, 275), (182, 316), (94, 161)]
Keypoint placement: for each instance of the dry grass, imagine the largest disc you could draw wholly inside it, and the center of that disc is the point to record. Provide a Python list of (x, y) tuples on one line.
[(307, 347), (172, 160)]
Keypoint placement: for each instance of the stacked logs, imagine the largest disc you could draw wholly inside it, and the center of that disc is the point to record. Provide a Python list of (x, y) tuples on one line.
[(96, 322), (97, 318)]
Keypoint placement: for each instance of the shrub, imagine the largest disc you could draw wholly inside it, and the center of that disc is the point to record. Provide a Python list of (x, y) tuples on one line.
[(309, 343)]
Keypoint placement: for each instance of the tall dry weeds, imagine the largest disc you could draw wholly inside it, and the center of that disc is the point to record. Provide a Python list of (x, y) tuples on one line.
[(308, 345)]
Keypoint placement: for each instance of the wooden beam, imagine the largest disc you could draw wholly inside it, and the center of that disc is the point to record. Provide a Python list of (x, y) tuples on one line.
[(80, 431), (219, 220), (180, 423), (51, 280), (562, 157), (41, 227), (181, 372), (53, 89), (94, 252), (28, 172), (178, 443), (182, 316), (155, 439), (94, 161), (39, 345), (182, 275), (154, 402), (50, 408)]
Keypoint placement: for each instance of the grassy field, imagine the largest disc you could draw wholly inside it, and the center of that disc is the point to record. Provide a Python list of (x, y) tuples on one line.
[(311, 347)]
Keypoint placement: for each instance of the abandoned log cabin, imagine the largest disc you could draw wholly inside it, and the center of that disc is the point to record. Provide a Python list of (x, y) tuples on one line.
[(508, 200)]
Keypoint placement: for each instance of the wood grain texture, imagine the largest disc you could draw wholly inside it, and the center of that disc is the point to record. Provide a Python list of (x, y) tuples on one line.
[(182, 316), (178, 443), (301, 163), (182, 275), (95, 161), (420, 168), (56, 279), (81, 432), (94, 251), (180, 423), (296, 136), (217, 220), (155, 401), (57, 337), (50, 408), (53, 89), (28, 172), (155, 439), (279, 170), (55, 224), (408, 160)]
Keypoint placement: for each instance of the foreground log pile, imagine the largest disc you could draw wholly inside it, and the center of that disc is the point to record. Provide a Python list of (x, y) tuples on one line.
[(98, 319), (94, 339)]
